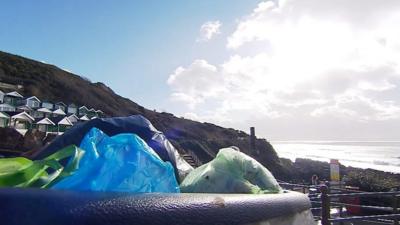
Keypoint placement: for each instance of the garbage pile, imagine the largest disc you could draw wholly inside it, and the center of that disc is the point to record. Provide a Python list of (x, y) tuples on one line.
[(127, 154)]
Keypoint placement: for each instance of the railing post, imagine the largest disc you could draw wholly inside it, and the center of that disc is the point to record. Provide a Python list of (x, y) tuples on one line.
[(325, 204), (341, 214), (395, 211)]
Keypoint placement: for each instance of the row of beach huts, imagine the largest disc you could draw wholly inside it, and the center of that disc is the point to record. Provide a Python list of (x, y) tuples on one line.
[(25, 113)]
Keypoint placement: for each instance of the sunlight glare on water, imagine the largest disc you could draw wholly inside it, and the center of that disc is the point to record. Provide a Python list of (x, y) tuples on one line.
[(383, 156)]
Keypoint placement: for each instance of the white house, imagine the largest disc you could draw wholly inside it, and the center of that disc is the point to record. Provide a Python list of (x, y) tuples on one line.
[(91, 113), (45, 125), (31, 102), (99, 113), (62, 123), (72, 109), (24, 108), (60, 105), (48, 105), (73, 118), (83, 110), (84, 118), (2, 96), (21, 120), (42, 112), (12, 98), (6, 108), (4, 119), (59, 112)]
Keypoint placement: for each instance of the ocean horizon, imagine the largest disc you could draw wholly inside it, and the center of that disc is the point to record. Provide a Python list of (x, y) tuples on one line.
[(379, 155)]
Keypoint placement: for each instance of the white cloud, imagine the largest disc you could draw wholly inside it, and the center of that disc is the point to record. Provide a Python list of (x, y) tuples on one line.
[(194, 84), (315, 60), (209, 29)]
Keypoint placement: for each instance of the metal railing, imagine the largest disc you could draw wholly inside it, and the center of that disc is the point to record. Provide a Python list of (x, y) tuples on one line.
[(327, 204), (325, 199)]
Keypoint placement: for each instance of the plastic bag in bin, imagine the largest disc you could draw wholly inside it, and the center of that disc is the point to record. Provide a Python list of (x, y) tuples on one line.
[(231, 172), (123, 163)]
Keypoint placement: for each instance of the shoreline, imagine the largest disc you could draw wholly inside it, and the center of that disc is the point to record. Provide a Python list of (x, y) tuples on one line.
[(366, 179), (382, 156)]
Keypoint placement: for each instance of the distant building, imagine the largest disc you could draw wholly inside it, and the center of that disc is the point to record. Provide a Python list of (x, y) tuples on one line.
[(45, 125), (4, 119), (21, 120), (73, 118), (32, 113), (31, 102), (12, 98), (2, 94), (7, 108), (48, 105), (24, 108), (62, 123), (72, 109), (84, 118), (92, 113), (42, 112), (60, 105), (59, 112), (83, 110), (100, 113)]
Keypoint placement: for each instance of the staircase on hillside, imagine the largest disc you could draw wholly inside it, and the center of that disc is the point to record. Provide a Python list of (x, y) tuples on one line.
[(191, 159)]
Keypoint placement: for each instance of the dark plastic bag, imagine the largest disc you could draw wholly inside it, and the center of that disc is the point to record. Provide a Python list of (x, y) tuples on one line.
[(123, 162)]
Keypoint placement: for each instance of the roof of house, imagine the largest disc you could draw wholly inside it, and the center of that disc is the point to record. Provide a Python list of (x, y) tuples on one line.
[(92, 110), (61, 103), (83, 107), (12, 113), (14, 94), (66, 121), (33, 97), (73, 115), (24, 107), (46, 121), (4, 115), (59, 112), (61, 120), (21, 115), (45, 110), (99, 111), (84, 118), (72, 105)]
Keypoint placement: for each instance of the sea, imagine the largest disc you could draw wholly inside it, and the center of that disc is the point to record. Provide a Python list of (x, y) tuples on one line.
[(384, 156)]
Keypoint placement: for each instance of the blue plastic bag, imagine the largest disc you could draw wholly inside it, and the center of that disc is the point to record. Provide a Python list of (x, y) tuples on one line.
[(123, 162), (135, 124)]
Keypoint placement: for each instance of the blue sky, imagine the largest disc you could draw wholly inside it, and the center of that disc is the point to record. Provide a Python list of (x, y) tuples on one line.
[(295, 69), (131, 46)]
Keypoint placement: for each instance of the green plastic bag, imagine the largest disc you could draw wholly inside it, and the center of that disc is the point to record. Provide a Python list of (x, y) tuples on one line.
[(231, 172), (22, 172)]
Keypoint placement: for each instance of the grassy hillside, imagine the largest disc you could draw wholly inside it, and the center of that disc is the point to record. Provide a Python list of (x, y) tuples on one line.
[(51, 83)]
